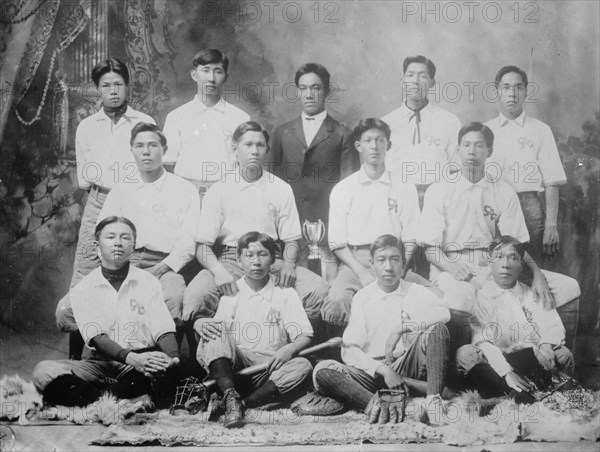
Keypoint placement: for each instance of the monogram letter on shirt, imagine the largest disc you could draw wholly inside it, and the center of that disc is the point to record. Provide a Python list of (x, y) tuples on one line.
[(272, 211), (488, 211), (527, 313), (135, 306), (393, 205), (524, 142), (273, 317)]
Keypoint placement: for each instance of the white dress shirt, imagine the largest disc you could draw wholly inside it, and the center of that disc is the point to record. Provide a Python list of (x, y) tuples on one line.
[(422, 158), (526, 153), (134, 317), (103, 151), (375, 313), (509, 320), (165, 213), (233, 207), (263, 321), (311, 125), (199, 139), (459, 215), (362, 209)]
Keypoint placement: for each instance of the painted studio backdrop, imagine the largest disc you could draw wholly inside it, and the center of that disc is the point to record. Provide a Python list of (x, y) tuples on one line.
[(48, 48)]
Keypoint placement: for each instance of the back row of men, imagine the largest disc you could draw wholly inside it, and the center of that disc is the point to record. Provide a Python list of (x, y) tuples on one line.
[(362, 184)]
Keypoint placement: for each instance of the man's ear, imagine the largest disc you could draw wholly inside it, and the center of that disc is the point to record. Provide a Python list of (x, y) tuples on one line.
[(193, 74), (165, 147), (357, 146), (389, 146), (490, 150)]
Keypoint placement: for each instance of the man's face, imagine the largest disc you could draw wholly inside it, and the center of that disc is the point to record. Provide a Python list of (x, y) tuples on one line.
[(115, 245), (512, 92), (113, 89), (312, 94), (251, 149), (506, 266), (256, 261), (373, 146), (147, 151), (388, 265), (209, 79), (473, 151), (417, 81)]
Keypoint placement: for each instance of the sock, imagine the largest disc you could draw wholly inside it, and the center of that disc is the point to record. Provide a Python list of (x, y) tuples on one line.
[(222, 371), (76, 344), (437, 359), (343, 388), (267, 393), (192, 340)]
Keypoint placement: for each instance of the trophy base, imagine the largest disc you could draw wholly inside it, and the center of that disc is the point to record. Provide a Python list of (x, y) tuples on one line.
[(314, 265)]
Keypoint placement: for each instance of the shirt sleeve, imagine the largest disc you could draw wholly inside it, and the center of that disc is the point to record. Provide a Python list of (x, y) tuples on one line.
[(549, 161), (512, 221), (174, 141), (410, 214), (296, 320), (426, 308), (112, 205), (339, 206), (433, 221), (82, 148), (90, 318), (548, 323), (159, 318), (211, 217), (185, 246), (355, 338), (288, 224)]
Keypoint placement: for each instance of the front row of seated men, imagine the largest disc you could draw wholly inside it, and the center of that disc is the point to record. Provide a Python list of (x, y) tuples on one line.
[(397, 339)]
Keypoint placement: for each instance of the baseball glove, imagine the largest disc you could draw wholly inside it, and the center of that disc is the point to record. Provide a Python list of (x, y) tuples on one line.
[(387, 405)]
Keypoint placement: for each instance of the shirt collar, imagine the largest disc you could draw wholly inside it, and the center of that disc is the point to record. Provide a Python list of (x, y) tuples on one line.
[(242, 183), (129, 114), (98, 279), (158, 184), (363, 178), (466, 184), (318, 118), (495, 290), (520, 120), (401, 291), (220, 106), (246, 292), (408, 112)]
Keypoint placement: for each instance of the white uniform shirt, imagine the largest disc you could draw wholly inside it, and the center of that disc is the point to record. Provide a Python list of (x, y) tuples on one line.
[(458, 215), (422, 159), (362, 209), (134, 317), (165, 213), (199, 139), (263, 321), (311, 125), (509, 320), (374, 314), (526, 153), (233, 207), (103, 151)]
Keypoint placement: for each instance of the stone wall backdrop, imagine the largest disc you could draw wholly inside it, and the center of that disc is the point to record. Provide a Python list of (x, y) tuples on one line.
[(362, 43)]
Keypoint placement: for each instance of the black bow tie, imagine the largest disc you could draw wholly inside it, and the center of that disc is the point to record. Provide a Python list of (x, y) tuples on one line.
[(309, 119)]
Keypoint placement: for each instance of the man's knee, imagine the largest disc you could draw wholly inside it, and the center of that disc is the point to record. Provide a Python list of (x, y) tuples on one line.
[(312, 290), (65, 320), (565, 359), (336, 307), (467, 357), (47, 371), (200, 297), (328, 364), (173, 287)]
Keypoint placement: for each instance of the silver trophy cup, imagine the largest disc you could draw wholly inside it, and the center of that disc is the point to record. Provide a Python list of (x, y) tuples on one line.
[(313, 232)]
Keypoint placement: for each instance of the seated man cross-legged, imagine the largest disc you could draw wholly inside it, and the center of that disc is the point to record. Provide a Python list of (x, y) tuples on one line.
[(513, 333), (396, 330), (261, 323), (121, 314)]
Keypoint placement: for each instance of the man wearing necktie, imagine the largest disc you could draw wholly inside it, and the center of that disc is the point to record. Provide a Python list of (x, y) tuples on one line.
[(424, 134), (313, 152)]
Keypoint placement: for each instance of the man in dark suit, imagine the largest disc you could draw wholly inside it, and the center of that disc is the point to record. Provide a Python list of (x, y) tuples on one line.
[(313, 152)]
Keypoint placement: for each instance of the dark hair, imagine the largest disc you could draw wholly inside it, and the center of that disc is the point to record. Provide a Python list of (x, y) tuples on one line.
[(249, 126), (148, 127), (210, 56), (253, 237), (114, 219), (507, 69), (314, 68), (507, 240), (419, 59), (110, 65), (385, 241), (368, 124), (488, 135)]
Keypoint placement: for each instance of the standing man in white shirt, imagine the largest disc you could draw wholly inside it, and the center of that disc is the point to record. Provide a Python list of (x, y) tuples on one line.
[(166, 210), (396, 330), (199, 132), (251, 199), (424, 134), (103, 156), (526, 154)]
